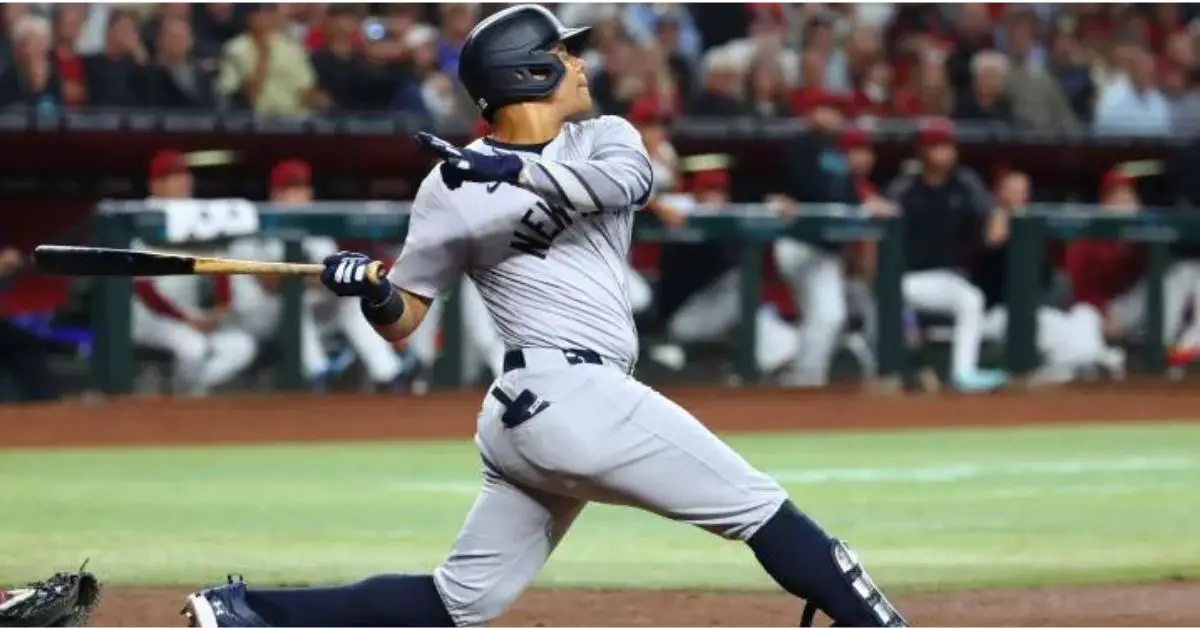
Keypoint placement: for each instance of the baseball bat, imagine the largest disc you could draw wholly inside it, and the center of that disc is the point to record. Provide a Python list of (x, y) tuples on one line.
[(88, 261)]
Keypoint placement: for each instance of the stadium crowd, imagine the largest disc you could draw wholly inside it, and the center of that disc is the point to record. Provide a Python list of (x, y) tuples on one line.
[(1124, 68), (1103, 68)]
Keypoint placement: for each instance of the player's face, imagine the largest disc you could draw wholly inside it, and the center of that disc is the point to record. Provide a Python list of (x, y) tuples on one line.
[(1122, 199), (942, 156), (177, 185), (862, 160), (292, 195), (572, 96)]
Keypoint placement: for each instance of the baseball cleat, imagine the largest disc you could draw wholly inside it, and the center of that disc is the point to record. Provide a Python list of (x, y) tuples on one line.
[(980, 381), (221, 607)]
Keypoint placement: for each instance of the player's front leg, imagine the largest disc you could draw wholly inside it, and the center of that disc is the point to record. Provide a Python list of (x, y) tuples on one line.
[(508, 535)]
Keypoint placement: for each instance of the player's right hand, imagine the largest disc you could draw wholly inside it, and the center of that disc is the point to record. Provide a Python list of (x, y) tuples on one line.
[(349, 274)]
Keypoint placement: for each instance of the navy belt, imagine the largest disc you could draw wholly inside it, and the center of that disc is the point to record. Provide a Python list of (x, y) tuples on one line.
[(515, 359)]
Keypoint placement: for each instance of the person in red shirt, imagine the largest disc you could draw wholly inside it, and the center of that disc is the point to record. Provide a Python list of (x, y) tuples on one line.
[(169, 313), (1106, 275)]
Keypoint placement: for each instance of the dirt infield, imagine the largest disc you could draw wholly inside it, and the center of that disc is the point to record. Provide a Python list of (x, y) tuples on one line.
[(319, 418)]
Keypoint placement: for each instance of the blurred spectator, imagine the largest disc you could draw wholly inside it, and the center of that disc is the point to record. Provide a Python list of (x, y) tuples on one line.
[(176, 80), (814, 91), (116, 77), (32, 79), (23, 355), (10, 14), (265, 70), (927, 91), (668, 25), (680, 60), (973, 34), (766, 92), (819, 38), (986, 100), (214, 24), (67, 26), (339, 63), (432, 90), (456, 21), (872, 97), (618, 82), (1035, 100), (152, 26), (1185, 110), (1069, 67), (1133, 104), (721, 93)]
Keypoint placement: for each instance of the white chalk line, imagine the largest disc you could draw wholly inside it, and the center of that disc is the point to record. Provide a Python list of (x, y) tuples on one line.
[(942, 474)]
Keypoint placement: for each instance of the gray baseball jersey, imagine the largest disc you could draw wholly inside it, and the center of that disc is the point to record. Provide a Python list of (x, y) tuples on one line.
[(548, 256)]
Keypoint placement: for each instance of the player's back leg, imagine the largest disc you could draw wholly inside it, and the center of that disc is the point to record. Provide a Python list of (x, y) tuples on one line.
[(508, 535), (602, 436)]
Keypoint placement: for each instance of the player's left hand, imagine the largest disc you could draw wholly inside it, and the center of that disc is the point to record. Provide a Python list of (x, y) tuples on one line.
[(463, 164)]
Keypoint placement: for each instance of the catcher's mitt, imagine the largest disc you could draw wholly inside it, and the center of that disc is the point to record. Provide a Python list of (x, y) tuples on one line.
[(65, 599)]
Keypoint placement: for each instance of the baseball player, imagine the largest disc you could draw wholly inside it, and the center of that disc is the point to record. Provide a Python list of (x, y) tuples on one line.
[(699, 292), (539, 215), (257, 307), (1069, 341), (943, 206), (818, 171), (1107, 277), (169, 312)]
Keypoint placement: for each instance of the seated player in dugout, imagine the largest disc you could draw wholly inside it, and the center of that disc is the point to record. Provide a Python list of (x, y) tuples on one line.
[(817, 170), (1065, 339), (187, 315), (257, 304), (699, 281), (568, 423), (1108, 276), (943, 208)]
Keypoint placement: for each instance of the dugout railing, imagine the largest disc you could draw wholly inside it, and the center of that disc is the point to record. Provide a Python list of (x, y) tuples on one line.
[(750, 227)]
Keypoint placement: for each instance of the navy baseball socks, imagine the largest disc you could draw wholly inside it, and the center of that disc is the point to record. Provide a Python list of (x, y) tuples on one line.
[(808, 563), (387, 600)]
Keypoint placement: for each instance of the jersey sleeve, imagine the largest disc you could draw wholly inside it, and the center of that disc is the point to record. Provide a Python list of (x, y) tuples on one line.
[(436, 248), (617, 176)]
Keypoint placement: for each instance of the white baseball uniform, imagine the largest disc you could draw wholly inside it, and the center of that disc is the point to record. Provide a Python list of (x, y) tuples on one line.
[(712, 312), (566, 423), (259, 311), (202, 359)]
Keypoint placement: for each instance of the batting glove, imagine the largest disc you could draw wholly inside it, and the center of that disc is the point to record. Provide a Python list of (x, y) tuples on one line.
[(462, 164), (349, 274)]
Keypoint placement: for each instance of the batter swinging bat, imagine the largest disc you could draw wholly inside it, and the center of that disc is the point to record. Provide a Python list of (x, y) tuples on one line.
[(87, 261)]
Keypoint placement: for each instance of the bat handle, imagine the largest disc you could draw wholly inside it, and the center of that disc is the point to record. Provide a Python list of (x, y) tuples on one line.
[(375, 273)]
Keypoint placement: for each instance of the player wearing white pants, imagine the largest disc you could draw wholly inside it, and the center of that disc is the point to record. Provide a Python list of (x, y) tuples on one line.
[(540, 216), (1070, 342), (943, 208), (257, 305), (206, 349)]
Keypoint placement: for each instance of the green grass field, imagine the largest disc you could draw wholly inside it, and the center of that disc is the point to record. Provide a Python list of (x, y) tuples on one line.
[(927, 509)]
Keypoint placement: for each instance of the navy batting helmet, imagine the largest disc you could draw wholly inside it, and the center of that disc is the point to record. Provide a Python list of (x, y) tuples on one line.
[(508, 57)]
